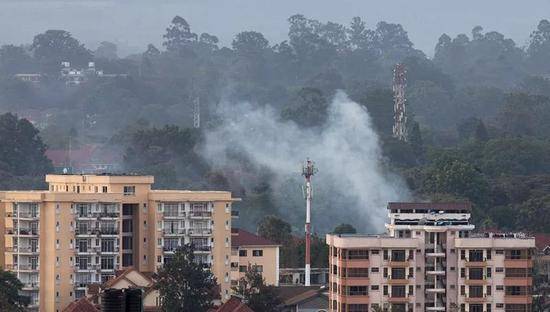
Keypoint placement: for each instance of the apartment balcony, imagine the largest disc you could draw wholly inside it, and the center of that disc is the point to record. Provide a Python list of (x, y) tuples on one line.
[(85, 216), (174, 216), (200, 214), (435, 271), (353, 299), (436, 254), (398, 299), (440, 289), (173, 232), (518, 281), (31, 286), (108, 232), (353, 281), (108, 215), (518, 299), (200, 231), (392, 263), (476, 281), (9, 231), (353, 263), (397, 281), (435, 308), (26, 250), (476, 263), (518, 263), (23, 267), (85, 233), (87, 251), (203, 249), (481, 299), (87, 269), (29, 232), (26, 216)]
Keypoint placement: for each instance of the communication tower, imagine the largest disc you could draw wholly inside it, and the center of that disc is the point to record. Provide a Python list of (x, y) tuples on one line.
[(308, 170), (399, 116)]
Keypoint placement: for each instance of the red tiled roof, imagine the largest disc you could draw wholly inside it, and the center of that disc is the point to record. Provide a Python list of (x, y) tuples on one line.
[(234, 304), (542, 241), (81, 305), (245, 238), (434, 206)]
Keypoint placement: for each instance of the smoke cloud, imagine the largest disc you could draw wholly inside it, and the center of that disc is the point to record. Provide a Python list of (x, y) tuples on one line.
[(352, 184)]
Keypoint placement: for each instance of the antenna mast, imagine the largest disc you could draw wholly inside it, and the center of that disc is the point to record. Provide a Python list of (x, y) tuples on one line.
[(308, 170), (399, 117)]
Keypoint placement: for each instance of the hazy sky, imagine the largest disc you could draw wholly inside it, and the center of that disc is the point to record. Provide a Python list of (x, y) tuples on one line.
[(134, 23)]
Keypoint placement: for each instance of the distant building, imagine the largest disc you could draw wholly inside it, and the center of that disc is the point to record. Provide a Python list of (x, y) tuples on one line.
[(35, 78), (85, 228), (74, 77), (430, 260), (250, 249), (296, 276), (303, 299), (233, 305)]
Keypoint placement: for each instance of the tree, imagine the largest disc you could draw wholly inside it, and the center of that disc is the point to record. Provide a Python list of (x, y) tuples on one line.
[(107, 50), (178, 35), (538, 50), (309, 108), (183, 283), (14, 60), (275, 229), (10, 286), (344, 228), (56, 46), (249, 44), (21, 148), (257, 295)]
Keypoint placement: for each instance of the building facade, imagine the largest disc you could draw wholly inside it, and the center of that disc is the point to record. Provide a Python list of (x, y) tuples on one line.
[(248, 249), (430, 260), (85, 227)]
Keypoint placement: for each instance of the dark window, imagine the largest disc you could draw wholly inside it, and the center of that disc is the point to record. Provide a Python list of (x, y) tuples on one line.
[(397, 273), (127, 210), (128, 259), (127, 242), (242, 253), (476, 291), (398, 291), (374, 270), (476, 308), (104, 189), (127, 226), (242, 268), (375, 287), (475, 273), (385, 290), (257, 253)]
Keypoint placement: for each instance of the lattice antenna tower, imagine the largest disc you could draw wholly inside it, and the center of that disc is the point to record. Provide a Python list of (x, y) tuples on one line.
[(196, 113), (399, 107)]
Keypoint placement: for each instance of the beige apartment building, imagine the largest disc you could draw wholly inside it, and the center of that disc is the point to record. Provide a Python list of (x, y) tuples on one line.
[(430, 260), (248, 249), (85, 227)]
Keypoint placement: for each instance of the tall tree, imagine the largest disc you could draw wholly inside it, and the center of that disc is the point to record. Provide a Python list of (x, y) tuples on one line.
[(183, 283), (275, 229), (257, 295), (107, 50), (56, 46), (178, 35), (10, 299)]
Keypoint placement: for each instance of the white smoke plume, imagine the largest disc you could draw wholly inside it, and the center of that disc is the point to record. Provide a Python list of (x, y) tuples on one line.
[(352, 185)]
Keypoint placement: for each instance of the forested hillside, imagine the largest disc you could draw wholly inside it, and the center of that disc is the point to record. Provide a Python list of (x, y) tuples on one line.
[(478, 117)]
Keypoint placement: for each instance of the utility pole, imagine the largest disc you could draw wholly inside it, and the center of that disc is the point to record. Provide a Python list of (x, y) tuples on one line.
[(308, 170), (399, 117)]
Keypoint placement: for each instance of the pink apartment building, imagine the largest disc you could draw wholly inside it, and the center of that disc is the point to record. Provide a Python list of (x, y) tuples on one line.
[(430, 260)]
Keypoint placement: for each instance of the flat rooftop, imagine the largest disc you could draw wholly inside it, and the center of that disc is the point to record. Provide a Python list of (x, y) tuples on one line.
[(448, 206)]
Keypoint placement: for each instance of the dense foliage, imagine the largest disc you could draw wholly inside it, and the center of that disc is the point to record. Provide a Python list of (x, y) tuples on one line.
[(183, 283), (478, 120)]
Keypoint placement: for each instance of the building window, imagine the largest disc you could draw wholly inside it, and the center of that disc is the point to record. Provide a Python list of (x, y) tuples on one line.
[(257, 253), (375, 251), (499, 252), (500, 305), (499, 287), (127, 242), (127, 259), (242, 268), (385, 290), (374, 270), (104, 189), (107, 263), (129, 190), (375, 287), (489, 272), (242, 253), (499, 269)]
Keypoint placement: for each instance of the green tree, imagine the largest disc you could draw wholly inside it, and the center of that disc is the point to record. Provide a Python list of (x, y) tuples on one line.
[(275, 229), (184, 284), (538, 50), (309, 108), (56, 46), (178, 35), (10, 286), (257, 295), (344, 228), (107, 50), (15, 60)]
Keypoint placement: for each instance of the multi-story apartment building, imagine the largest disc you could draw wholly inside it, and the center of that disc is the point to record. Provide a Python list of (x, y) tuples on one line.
[(84, 227), (430, 260), (248, 249)]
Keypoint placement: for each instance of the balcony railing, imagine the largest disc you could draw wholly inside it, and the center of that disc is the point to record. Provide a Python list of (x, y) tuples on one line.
[(200, 231), (200, 214), (27, 231), (173, 231), (27, 215)]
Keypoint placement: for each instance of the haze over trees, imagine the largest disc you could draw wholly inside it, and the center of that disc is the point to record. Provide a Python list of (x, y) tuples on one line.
[(478, 109)]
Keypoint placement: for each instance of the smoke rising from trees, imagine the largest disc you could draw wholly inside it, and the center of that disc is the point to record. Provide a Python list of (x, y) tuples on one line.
[(352, 182)]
